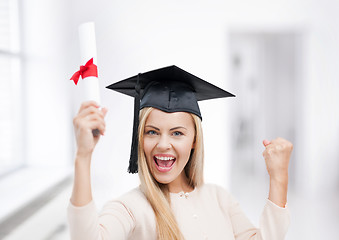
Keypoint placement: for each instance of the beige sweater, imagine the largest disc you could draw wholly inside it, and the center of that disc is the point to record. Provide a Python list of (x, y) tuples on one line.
[(208, 212)]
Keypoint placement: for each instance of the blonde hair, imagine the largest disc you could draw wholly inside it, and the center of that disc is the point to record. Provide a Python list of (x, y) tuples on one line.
[(158, 194)]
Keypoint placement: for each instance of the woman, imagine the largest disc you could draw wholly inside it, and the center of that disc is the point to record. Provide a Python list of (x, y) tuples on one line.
[(172, 201)]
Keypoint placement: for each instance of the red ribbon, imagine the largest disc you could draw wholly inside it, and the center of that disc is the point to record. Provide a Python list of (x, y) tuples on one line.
[(89, 70)]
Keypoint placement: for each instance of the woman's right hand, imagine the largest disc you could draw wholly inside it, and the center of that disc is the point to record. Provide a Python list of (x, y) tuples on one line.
[(88, 118)]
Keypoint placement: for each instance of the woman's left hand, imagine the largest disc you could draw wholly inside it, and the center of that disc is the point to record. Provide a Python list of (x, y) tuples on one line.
[(277, 156)]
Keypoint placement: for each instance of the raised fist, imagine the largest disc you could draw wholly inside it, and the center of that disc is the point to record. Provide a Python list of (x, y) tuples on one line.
[(277, 156)]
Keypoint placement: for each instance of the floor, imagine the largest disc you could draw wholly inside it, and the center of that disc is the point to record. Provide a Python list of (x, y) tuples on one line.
[(48, 222)]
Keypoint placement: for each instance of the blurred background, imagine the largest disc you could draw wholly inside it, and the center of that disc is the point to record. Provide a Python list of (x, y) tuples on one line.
[(280, 58)]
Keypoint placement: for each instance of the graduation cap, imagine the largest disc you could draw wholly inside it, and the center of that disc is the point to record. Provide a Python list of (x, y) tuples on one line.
[(170, 89)]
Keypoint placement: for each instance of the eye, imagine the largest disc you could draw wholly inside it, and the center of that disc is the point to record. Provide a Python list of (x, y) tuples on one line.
[(177, 133), (151, 132)]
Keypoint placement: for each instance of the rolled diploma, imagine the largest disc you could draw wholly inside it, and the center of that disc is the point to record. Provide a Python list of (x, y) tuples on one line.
[(87, 51)]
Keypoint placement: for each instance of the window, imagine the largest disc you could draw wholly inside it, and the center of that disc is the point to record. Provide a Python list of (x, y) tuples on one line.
[(11, 134)]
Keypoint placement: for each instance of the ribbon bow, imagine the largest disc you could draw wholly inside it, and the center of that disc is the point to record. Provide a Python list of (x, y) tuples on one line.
[(89, 70)]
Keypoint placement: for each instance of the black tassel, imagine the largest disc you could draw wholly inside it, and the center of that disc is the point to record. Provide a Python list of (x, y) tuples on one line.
[(133, 161)]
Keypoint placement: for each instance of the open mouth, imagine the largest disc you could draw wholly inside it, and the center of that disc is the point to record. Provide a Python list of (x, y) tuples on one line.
[(164, 163)]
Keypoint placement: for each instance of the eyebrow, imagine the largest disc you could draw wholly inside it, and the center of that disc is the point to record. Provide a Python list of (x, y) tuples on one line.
[(175, 128)]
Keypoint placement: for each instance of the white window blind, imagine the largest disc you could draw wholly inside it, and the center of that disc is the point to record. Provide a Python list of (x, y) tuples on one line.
[(11, 121)]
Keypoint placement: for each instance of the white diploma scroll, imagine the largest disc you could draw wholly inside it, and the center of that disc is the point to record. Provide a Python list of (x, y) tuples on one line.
[(87, 51)]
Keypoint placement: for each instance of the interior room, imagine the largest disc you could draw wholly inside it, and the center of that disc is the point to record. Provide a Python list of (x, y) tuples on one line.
[(280, 58)]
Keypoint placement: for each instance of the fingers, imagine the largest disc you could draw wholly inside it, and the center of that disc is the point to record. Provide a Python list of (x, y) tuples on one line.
[(277, 156), (266, 142), (90, 117), (87, 104), (278, 141), (104, 111), (95, 122), (277, 145), (282, 143), (95, 127), (91, 113)]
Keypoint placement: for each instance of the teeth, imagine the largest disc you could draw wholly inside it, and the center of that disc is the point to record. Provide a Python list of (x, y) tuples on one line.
[(164, 158)]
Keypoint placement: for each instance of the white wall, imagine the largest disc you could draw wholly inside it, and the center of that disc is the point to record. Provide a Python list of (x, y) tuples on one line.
[(45, 80)]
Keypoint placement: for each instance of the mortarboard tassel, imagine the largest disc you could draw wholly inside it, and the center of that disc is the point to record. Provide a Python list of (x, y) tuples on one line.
[(133, 161)]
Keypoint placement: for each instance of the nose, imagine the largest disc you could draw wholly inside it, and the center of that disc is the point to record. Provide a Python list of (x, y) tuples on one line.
[(164, 143)]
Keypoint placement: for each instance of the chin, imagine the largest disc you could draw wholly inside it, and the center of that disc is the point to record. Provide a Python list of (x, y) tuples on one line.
[(163, 179)]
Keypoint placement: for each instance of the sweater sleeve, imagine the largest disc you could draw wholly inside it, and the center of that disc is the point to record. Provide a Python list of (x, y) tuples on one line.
[(114, 222), (274, 220)]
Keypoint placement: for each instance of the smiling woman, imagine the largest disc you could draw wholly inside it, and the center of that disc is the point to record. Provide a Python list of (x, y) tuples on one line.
[(172, 202), (168, 146)]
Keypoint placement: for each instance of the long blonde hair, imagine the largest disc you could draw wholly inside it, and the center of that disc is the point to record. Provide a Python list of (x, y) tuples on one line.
[(158, 194)]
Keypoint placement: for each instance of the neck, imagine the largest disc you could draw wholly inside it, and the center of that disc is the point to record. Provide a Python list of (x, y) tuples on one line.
[(180, 184)]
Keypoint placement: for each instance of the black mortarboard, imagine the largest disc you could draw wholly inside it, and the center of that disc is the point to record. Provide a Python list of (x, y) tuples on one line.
[(170, 89)]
